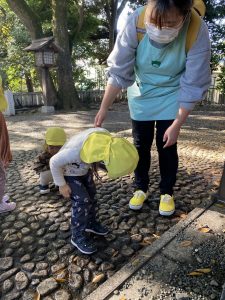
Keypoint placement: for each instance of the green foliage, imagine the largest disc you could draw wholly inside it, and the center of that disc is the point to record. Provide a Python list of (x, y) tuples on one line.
[(221, 80), (215, 15), (88, 28), (82, 23)]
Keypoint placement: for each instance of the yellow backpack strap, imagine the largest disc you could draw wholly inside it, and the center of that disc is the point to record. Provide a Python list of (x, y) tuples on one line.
[(141, 25), (199, 6), (193, 29)]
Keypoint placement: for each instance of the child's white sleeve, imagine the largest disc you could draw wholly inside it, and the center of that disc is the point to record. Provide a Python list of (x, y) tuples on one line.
[(57, 162)]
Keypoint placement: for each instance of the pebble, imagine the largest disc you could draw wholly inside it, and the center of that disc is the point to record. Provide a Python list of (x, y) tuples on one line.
[(39, 274), (81, 261), (6, 263), (41, 232), (136, 237), (127, 251), (87, 275), (19, 225), (29, 267), (8, 251), (88, 289), (25, 230), (57, 267), (52, 256), (92, 266), (21, 281), (29, 295), (73, 268), (47, 286), (65, 250), (64, 226), (105, 266), (7, 285), (41, 266), (25, 258), (14, 295), (8, 274), (214, 283), (62, 295), (75, 281), (28, 240)]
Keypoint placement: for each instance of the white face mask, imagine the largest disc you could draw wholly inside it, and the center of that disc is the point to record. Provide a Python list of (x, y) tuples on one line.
[(162, 36)]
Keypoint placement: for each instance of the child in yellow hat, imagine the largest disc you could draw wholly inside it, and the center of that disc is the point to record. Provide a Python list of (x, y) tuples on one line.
[(5, 156), (71, 171), (55, 138)]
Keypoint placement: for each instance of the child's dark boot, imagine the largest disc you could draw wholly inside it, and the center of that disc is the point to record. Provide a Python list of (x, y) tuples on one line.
[(84, 244), (97, 228)]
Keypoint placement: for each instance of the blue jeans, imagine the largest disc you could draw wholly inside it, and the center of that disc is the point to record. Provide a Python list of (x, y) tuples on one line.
[(143, 134), (83, 202)]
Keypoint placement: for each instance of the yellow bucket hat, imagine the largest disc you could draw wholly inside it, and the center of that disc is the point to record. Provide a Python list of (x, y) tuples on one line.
[(119, 155), (3, 102), (55, 136)]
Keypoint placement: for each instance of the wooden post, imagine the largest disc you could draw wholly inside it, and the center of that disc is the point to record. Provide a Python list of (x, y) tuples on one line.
[(49, 96), (221, 193)]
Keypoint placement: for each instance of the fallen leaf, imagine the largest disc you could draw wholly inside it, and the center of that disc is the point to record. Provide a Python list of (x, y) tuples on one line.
[(156, 236), (195, 274), (123, 298), (115, 253), (135, 262), (204, 229), (186, 243), (7, 235), (145, 243), (199, 272), (60, 280), (183, 216), (75, 258), (221, 205), (19, 234), (98, 278), (37, 296), (60, 271), (223, 230), (204, 270)]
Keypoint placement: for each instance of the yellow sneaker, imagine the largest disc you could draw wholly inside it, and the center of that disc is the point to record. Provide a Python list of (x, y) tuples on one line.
[(136, 202), (167, 205)]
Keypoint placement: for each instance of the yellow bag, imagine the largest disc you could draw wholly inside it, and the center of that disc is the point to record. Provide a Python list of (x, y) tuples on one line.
[(119, 155), (197, 11), (3, 101)]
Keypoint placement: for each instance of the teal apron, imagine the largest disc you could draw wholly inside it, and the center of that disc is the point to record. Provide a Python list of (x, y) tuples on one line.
[(154, 95)]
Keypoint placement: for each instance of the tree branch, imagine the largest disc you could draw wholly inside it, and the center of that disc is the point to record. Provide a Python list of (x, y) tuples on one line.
[(27, 16)]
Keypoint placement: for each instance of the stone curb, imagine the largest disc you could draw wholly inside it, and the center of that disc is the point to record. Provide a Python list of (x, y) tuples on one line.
[(222, 297), (113, 283)]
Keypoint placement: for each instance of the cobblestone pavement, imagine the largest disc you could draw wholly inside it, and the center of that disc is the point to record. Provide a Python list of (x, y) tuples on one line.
[(36, 257)]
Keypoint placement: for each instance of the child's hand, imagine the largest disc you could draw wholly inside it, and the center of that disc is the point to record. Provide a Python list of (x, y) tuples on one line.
[(65, 190)]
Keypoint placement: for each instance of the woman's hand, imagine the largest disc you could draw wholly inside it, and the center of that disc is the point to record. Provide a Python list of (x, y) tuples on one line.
[(171, 135), (65, 190), (109, 96), (100, 117)]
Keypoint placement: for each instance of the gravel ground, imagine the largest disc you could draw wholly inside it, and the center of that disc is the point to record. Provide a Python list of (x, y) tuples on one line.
[(36, 257), (190, 267)]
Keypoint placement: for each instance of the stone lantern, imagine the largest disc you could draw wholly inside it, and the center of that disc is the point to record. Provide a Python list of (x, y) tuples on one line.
[(45, 51)]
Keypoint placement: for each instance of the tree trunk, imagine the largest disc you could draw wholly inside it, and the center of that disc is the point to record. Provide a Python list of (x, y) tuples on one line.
[(33, 24), (111, 14), (67, 92)]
